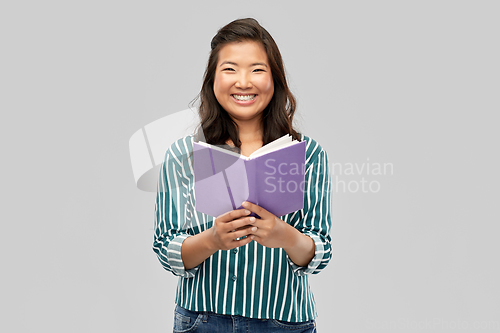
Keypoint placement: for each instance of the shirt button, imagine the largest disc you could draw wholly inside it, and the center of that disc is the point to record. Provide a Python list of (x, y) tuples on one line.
[(235, 251), (234, 277)]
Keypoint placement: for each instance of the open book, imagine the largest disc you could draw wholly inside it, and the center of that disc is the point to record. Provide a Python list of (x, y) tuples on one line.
[(271, 177)]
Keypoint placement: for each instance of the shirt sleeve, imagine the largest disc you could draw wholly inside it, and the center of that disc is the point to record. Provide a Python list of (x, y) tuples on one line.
[(314, 219), (170, 217)]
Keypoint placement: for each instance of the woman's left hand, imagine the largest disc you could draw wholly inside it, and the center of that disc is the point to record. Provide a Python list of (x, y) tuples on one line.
[(269, 230)]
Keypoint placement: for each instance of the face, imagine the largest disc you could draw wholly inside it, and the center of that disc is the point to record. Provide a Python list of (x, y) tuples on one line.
[(243, 82)]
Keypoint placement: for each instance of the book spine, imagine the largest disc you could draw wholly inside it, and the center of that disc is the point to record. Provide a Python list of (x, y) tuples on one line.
[(251, 171), (225, 179)]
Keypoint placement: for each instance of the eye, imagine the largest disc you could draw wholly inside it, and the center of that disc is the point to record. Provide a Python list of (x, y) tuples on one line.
[(228, 69), (259, 70)]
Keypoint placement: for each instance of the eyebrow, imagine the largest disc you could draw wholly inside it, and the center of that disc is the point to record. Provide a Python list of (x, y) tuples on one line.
[(235, 64)]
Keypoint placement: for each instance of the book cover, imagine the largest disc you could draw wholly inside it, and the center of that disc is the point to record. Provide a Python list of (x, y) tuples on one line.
[(272, 177)]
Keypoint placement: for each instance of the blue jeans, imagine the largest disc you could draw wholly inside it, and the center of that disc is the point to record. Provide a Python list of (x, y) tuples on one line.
[(186, 321)]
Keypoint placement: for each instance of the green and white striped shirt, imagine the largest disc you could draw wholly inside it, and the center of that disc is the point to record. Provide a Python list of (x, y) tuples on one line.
[(252, 280)]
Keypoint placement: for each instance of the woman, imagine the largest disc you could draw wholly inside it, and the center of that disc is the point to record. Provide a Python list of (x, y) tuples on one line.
[(237, 272)]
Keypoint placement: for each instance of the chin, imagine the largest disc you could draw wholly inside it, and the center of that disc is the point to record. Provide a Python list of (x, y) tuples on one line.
[(244, 116)]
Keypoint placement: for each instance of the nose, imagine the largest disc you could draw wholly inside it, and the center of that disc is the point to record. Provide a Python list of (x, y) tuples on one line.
[(243, 81)]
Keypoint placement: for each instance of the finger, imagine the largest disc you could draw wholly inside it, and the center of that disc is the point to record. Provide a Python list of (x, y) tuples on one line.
[(241, 233), (237, 224), (232, 215), (256, 238), (257, 209), (244, 227), (255, 231), (242, 242)]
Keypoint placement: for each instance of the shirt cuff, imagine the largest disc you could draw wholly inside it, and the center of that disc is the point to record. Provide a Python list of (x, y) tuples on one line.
[(175, 259), (315, 261)]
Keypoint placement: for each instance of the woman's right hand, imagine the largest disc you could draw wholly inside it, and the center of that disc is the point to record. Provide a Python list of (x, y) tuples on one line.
[(229, 227)]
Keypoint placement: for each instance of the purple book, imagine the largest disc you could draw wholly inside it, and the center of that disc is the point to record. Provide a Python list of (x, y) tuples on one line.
[(272, 177)]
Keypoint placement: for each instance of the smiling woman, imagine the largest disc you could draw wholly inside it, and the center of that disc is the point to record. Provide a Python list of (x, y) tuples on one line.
[(237, 272)]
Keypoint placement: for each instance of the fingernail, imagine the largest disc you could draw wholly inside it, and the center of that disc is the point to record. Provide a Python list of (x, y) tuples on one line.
[(247, 211), (254, 229), (252, 219), (244, 204)]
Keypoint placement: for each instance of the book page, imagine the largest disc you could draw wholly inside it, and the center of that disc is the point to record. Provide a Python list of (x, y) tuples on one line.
[(221, 149), (285, 141)]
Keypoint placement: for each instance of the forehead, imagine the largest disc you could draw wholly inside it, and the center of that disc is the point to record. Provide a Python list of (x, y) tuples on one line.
[(243, 52)]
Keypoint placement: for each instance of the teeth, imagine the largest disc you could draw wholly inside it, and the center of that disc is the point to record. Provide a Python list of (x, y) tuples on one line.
[(244, 97)]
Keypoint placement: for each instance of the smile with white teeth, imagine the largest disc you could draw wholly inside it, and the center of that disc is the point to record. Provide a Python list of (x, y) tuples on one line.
[(244, 97)]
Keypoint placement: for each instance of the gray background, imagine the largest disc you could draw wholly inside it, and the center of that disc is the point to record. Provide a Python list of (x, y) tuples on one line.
[(414, 84)]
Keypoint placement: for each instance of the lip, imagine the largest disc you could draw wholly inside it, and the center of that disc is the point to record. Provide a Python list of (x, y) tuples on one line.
[(244, 102)]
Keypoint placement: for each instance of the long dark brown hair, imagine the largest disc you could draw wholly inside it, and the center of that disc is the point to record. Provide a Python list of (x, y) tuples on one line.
[(277, 117)]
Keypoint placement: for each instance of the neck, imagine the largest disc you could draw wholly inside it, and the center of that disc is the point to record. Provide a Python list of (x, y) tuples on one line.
[(250, 130)]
